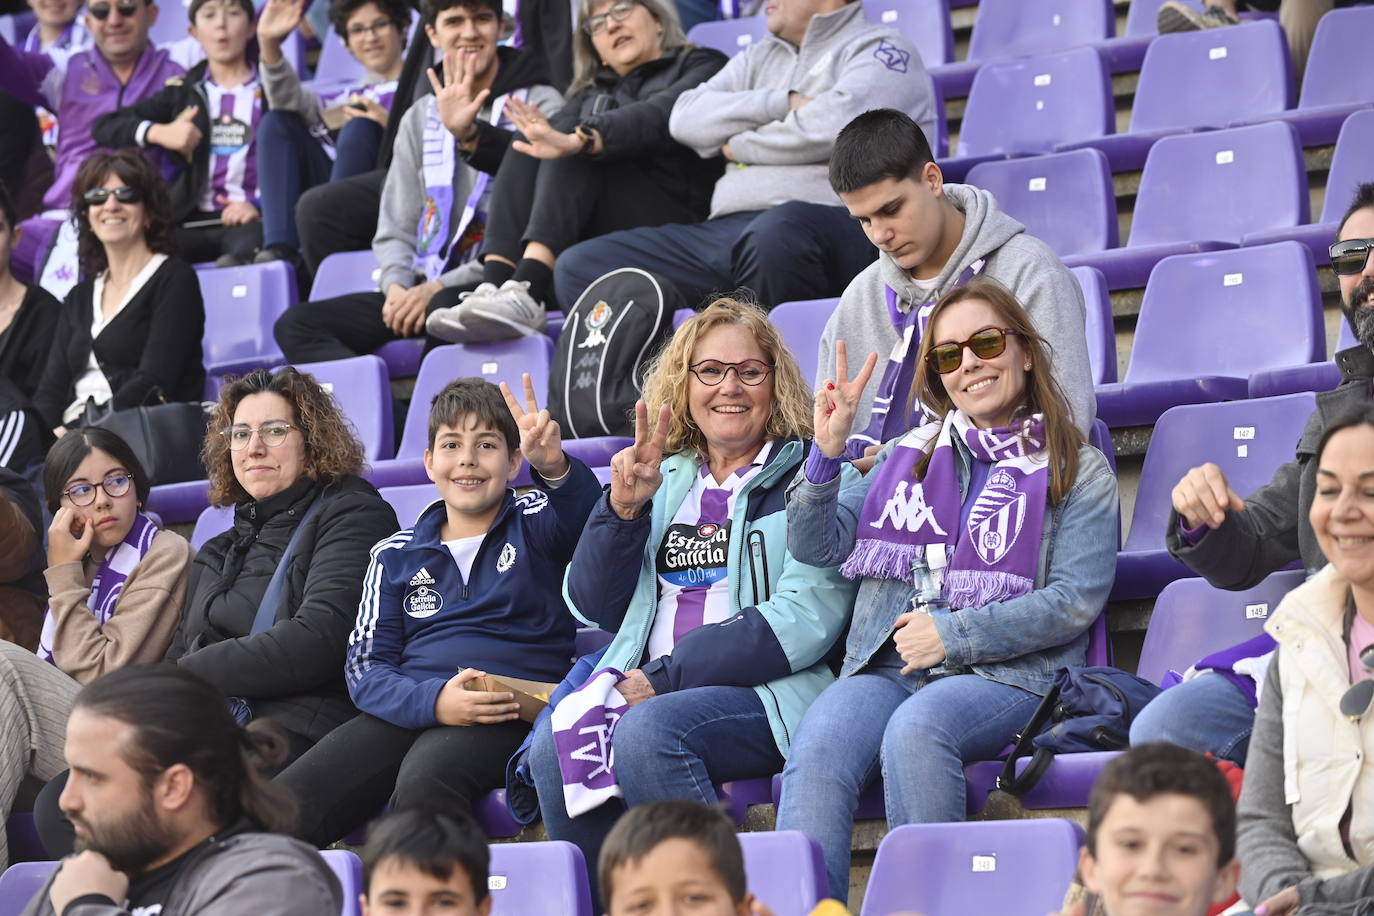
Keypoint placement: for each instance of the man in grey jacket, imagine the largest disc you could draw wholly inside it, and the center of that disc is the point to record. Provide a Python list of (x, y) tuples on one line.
[(773, 113), (932, 237), (170, 806)]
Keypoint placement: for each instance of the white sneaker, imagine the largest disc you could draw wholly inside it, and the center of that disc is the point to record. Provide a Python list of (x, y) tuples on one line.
[(447, 323), (501, 314)]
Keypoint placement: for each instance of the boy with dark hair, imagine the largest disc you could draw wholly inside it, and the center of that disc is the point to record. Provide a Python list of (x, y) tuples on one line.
[(932, 237), (474, 588), (433, 207), (1161, 834), (208, 120), (418, 860)]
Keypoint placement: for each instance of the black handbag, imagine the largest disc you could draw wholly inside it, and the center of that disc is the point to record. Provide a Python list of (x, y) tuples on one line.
[(166, 437)]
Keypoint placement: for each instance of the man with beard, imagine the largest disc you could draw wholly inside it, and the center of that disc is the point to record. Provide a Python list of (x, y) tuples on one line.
[(1234, 543), (170, 809)]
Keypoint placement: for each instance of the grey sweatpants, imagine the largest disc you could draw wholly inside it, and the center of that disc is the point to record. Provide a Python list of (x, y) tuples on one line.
[(35, 700)]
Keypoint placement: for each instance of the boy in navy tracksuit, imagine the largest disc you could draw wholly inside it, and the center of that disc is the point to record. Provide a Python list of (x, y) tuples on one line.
[(474, 588)]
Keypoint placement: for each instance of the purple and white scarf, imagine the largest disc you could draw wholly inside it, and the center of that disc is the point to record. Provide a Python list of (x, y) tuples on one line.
[(583, 725), (899, 374), (108, 584), (998, 556)]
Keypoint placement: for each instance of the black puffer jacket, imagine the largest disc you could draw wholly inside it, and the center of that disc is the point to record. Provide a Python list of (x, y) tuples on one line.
[(631, 113), (291, 672)]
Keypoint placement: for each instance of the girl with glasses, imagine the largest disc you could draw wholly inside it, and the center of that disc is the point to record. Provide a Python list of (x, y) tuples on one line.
[(1305, 823), (720, 630), (129, 333), (983, 542), (116, 583)]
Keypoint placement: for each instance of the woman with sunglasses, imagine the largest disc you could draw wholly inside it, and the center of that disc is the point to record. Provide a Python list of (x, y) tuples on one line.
[(984, 544), (1305, 823), (129, 333), (720, 631), (116, 582), (602, 163)]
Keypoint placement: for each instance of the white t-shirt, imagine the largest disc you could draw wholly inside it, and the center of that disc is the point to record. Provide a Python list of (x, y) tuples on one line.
[(464, 551), (692, 560)]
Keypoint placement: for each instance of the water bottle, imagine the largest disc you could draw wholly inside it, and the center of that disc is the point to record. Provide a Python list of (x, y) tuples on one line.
[(928, 599)]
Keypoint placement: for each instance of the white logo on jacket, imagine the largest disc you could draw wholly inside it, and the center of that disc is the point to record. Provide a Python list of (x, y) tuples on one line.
[(423, 602), (507, 558)]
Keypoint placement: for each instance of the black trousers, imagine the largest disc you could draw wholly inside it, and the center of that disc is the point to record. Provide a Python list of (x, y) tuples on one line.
[(339, 216), (338, 328), (18, 141), (206, 243), (560, 202), (344, 779)]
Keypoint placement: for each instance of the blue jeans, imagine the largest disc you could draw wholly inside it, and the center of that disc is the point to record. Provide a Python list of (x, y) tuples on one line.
[(290, 162), (1206, 714), (793, 251), (355, 150), (672, 746), (878, 720)]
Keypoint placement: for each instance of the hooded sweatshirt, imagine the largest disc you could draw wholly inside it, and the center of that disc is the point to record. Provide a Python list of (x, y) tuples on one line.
[(845, 65), (1021, 262)]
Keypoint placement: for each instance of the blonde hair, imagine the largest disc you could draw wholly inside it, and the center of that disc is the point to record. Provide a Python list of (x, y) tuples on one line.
[(1042, 395), (668, 378), (585, 59)]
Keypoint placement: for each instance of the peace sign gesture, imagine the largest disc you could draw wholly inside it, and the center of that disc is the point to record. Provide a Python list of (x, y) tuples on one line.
[(458, 102), (635, 476), (541, 441), (836, 402)]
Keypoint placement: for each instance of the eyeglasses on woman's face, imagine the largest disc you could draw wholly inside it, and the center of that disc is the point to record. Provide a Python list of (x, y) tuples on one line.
[(114, 485), (619, 11), (272, 434), (711, 372)]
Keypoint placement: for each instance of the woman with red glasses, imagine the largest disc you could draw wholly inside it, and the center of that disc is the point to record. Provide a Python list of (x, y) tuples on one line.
[(116, 583), (984, 545), (129, 333)]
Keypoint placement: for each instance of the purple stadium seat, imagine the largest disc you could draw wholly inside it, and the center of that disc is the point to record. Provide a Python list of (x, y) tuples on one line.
[(21, 834), (729, 36), (1098, 322), (20, 883), (1032, 104), (1321, 376), (241, 305), (348, 868), (1125, 53), (363, 390), (1349, 167), (737, 796), (977, 867), (1064, 199), (335, 65), (1015, 28), (178, 503), (409, 501), (681, 316), (212, 521), (589, 640), (1208, 320), (501, 361), (1203, 192), (925, 23), (785, 870), (1193, 619), (1245, 71), (1338, 79), (356, 272), (548, 877), (493, 816), (1248, 440), (801, 324)]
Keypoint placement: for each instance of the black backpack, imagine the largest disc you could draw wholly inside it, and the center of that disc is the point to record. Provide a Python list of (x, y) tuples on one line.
[(1086, 709), (615, 326)]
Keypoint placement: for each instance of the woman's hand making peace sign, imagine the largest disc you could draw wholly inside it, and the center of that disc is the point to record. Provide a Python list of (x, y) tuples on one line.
[(837, 401), (635, 476)]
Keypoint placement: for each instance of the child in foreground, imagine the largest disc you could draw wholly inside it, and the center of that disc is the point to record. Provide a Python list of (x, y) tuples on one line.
[(1161, 835), (419, 861)]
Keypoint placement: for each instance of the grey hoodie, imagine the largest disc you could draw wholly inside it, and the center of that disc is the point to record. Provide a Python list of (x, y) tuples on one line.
[(259, 873), (1021, 262), (845, 65)]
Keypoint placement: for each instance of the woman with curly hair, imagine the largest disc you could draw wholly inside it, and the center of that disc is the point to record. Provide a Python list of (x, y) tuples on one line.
[(720, 632), (129, 334)]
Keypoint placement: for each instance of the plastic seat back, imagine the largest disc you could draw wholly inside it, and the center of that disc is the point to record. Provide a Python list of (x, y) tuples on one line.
[(213, 520), (409, 501), (925, 23), (1064, 199), (729, 36), (348, 868), (1032, 104), (1338, 70), (345, 272), (1021, 28), (1098, 323), (1350, 162), (548, 877), (801, 325), (785, 870), (241, 306), (20, 883), (362, 387)]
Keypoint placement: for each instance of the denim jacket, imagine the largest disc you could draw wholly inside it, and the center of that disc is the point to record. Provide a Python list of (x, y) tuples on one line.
[(1022, 641)]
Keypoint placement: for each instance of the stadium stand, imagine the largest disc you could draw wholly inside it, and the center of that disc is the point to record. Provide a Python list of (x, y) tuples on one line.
[(1064, 199), (547, 877)]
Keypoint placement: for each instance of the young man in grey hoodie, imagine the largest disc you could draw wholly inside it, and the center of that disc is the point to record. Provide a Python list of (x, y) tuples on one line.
[(773, 113), (932, 237)]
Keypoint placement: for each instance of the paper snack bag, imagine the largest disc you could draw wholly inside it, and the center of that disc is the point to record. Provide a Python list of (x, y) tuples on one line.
[(532, 696)]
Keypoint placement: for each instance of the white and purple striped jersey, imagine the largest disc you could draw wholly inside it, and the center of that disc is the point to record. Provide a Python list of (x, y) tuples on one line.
[(234, 116), (692, 562), (74, 38)]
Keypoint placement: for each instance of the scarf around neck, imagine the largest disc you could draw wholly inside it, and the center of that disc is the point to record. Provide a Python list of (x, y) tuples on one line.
[(903, 518), (109, 580)]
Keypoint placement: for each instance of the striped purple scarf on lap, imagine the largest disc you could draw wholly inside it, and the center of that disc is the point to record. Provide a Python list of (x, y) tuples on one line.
[(902, 516), (108, 584)]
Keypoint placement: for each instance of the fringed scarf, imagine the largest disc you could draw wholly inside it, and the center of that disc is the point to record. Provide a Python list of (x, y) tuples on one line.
[(902, 517), (108, 584)]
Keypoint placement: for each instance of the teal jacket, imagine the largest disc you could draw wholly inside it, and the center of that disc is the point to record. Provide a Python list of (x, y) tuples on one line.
[(787, 615)]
